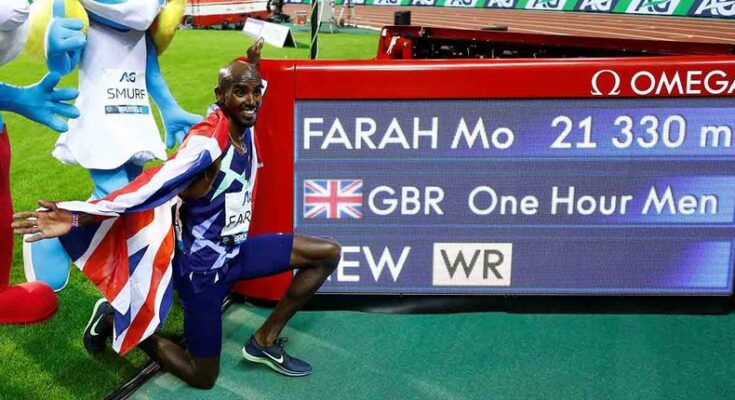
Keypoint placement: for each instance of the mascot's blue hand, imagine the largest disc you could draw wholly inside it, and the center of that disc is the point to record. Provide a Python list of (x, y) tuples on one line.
[(177, 123), (65, 41), (42, 103)]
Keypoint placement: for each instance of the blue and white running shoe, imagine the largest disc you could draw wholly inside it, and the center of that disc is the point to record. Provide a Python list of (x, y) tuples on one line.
[(275, 357)]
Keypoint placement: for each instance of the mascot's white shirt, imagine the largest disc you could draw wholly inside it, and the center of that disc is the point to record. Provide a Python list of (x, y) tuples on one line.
[(116, 123)]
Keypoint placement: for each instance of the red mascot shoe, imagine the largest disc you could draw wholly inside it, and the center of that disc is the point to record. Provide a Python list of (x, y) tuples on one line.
[(27, 303)]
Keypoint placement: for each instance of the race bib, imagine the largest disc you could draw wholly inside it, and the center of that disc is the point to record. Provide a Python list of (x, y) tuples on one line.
[(125, 92), (237, 215)]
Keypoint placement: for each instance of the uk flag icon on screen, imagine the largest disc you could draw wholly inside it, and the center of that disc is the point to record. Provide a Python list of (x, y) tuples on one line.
[(333, 198)]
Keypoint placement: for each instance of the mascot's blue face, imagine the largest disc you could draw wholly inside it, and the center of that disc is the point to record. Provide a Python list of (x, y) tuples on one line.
[(124, 14)]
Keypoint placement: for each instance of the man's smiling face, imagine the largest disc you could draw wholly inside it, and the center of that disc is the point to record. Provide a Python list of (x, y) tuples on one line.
[(240, 92)]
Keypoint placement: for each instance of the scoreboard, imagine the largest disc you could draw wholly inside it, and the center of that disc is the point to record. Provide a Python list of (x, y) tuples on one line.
[(507, 176)]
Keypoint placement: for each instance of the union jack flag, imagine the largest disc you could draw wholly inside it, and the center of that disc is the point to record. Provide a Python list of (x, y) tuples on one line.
[(333, 198), (127, 254)]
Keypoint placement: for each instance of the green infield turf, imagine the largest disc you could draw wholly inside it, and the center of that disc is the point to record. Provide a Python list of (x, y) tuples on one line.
[(477, 356), (47, 360)]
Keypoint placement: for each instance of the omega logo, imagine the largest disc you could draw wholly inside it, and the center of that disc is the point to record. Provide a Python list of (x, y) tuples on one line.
[(614, 90)]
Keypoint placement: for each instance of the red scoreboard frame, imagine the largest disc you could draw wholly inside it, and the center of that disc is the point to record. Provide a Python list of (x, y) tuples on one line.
[(292, 80)]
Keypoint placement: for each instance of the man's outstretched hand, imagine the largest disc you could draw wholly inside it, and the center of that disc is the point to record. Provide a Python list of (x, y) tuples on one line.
[(254, 51), (48, 223)]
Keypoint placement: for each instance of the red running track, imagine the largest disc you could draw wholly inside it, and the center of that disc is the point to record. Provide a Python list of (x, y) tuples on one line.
[(550, 22)]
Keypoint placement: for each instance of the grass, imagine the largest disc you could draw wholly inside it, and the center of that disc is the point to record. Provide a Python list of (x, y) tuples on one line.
[(47, 360)]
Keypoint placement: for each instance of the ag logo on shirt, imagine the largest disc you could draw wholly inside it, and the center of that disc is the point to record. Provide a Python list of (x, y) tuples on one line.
[(128, 77)]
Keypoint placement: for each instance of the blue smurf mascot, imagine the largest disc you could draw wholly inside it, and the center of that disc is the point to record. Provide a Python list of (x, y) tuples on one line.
[(116, 134)]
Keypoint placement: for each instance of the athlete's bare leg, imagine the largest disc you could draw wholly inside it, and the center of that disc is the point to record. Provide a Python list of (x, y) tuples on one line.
[(315, 260), (195, 371)]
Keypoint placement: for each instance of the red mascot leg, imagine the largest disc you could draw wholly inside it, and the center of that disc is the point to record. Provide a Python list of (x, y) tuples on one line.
[(29, 302)]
